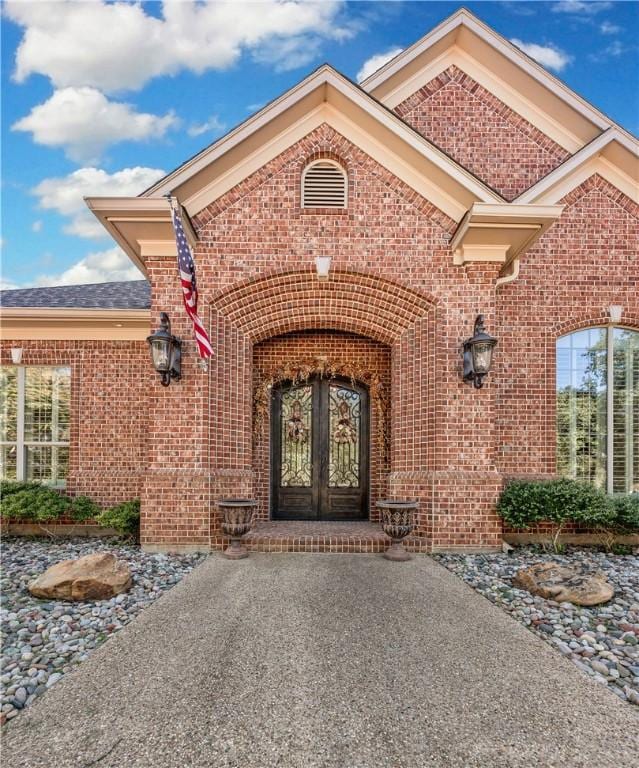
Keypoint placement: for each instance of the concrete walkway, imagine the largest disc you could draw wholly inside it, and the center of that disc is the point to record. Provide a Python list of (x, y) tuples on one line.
[(346, 661)]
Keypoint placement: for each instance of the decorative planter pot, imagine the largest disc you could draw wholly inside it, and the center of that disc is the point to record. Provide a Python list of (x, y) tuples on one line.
[(397, 522), (237, 520)]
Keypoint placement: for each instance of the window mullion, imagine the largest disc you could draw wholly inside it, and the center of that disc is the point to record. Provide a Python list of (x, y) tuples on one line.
[(610, 393), (20, 458)]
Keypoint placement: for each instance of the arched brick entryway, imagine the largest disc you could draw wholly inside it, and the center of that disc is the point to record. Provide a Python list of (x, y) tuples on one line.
[(361, 304)]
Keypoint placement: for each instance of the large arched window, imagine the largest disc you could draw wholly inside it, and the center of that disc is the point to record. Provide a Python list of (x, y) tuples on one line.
[(598, 407)]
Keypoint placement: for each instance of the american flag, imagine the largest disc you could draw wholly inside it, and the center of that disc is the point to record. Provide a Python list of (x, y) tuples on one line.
[(186, 268)]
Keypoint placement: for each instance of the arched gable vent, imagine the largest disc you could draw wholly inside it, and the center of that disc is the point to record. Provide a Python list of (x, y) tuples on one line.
[(324, 185)]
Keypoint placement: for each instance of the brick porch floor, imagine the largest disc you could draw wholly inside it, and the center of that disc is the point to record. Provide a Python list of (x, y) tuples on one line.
[(296, 536)]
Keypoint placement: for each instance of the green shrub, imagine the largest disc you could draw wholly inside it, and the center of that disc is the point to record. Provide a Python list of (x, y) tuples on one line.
[(524, 503), (626, 512), (7, 487), (41, 503), (124, 517), (34, 502), (84, 508)]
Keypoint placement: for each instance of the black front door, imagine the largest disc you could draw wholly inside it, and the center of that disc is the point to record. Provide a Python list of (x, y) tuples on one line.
[(319, 451)]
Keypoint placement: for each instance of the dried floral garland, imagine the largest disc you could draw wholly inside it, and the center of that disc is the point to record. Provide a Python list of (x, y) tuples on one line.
[(300, 371)]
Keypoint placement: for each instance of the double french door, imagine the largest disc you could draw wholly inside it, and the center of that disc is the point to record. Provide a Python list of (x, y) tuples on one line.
[(319, 451)]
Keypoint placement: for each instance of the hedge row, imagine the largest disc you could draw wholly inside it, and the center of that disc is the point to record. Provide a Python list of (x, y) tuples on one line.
[(31, 502), (524, 503)]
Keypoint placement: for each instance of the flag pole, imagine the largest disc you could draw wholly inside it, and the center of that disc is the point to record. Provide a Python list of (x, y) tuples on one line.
[(201, 335)]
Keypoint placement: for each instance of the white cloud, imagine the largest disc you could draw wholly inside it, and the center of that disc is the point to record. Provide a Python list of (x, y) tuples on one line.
[(7, 285), (212, 125), (83, 121), (376, 62), (607, 28), (98, 267), (36, 226), (614, 50), (547, 55), (65, 194), (581, 7), (116, 46)]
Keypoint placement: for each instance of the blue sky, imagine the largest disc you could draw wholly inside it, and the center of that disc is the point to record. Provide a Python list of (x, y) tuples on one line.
[(102, 97)]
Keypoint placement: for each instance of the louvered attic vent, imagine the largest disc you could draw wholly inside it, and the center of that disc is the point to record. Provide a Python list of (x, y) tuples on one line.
[(324, 185)]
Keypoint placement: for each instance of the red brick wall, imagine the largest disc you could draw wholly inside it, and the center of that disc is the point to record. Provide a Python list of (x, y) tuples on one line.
[(586, 261), (393, 286), (392, 280), (481, 133), (109, 381), (367, 354)]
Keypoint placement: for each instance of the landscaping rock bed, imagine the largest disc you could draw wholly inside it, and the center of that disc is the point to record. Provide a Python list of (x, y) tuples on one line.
[(43, 639), (602, 640)]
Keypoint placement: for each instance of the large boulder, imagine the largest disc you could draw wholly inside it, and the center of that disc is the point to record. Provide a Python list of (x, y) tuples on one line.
[(93, 577), (565, 583)]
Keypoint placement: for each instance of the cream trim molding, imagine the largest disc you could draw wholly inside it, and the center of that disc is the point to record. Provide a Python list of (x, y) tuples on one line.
[(500, 233), (332, 85), (492, 82), (596, 157), (31, 324), (506, 63)]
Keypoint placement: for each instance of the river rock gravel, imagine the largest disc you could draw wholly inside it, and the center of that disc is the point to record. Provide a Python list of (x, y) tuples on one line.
[(44, 639), (602, 640)]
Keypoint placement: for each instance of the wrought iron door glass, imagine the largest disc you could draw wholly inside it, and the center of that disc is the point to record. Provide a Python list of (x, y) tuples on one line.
[(344, 437), (296, 426)]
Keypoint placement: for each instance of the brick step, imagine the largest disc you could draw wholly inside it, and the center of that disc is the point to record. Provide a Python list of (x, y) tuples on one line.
[(327, 536)]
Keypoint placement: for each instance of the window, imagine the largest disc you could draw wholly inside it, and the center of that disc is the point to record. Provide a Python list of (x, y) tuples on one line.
[(598, 407), (324, 185), (34, 424)]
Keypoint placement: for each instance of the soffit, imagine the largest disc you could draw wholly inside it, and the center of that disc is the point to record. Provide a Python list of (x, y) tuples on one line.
[(499, 66), (612, 156), (30, 323)]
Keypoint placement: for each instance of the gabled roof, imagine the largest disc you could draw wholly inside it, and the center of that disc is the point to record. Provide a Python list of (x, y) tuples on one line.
[(498, 65), (142, 224), (612, 155), (323, 87), (133, 294), (365, 116)]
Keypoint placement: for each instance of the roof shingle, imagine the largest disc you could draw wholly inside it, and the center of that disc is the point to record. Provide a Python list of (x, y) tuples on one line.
[(133, 294)]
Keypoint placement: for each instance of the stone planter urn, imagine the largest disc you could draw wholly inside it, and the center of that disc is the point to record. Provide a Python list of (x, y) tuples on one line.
[(237, 520), (398, 520)]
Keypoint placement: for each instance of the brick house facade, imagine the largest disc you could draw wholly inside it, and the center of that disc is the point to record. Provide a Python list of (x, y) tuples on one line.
[(476, 184)]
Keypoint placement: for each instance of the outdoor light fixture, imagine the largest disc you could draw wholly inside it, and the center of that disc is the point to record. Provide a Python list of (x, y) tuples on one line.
[(615, 312), (166, 351), (323, 266), (16, 355), (478, 354)]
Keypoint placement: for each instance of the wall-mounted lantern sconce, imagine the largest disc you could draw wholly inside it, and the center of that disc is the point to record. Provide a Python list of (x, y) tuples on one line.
[(16, 355), (478, 354), (166, 351), (323, 266), (615, 312)]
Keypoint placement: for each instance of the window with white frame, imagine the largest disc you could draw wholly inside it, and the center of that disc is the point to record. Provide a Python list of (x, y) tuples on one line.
[(34, 423), (324, 185), (598, 407)]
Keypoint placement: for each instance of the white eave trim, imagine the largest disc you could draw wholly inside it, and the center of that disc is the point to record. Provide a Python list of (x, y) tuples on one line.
[(591, 150), (506, 231), (325, 76), (466, 19)]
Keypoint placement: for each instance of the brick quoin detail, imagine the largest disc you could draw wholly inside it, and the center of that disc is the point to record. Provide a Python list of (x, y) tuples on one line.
[(481, 133)]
